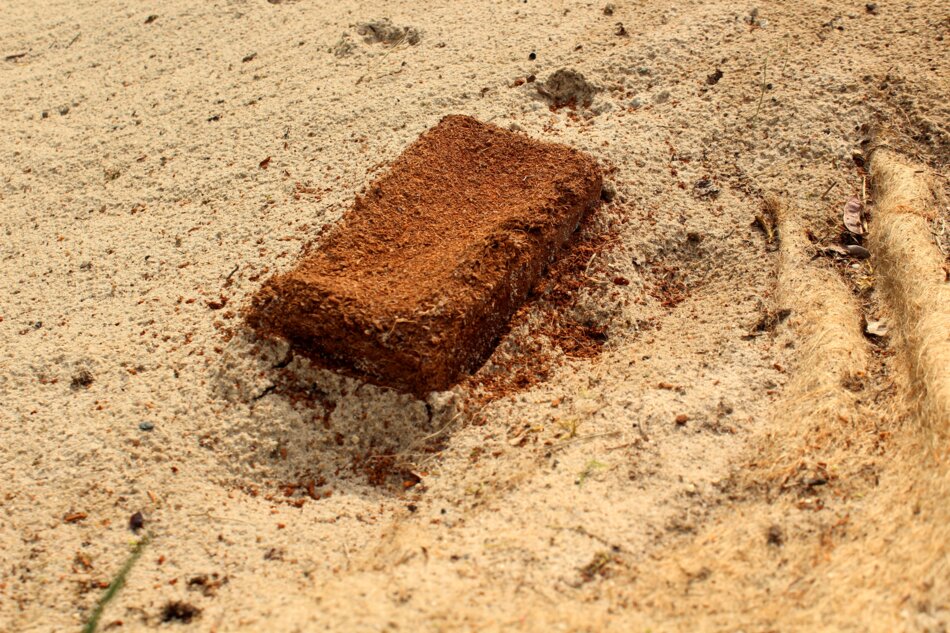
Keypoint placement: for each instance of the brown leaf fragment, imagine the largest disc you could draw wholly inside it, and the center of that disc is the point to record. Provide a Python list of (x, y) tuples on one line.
[(853, 216)]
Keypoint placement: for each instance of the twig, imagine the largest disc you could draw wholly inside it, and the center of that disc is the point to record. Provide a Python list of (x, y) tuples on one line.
[(232, 272), (115, 585), (583, 438), (830, 187)]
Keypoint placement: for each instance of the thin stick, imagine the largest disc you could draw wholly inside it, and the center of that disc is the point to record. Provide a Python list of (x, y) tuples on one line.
[(583, 438), (114, 586), (830, 187)]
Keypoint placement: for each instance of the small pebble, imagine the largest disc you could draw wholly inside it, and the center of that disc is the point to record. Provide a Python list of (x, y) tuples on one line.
[(146, 426), (858, 252), (682, 419)]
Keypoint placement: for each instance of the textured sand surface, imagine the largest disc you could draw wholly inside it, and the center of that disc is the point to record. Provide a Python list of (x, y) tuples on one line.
[(152, 166)]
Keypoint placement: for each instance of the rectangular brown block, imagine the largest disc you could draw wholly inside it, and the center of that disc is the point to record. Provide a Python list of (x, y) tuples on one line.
[(415, 285)]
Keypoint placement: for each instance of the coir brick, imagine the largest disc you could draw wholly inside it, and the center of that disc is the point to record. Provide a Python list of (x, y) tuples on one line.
[(413, 288)]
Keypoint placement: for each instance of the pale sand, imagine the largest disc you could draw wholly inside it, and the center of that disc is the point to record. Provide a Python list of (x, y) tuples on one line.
[(123, 216)]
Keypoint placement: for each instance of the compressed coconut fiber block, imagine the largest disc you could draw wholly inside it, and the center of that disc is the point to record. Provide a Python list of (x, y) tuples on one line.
[(415, 285)]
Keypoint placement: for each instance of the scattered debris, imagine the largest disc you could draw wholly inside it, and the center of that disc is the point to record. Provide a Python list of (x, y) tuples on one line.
[(834, 249), (765, 221), (567, 87), (704, 188), (344, 47), (857, 252), (592, 466), (853, 216), (385, 32), (179, 611), (207, 585), (774, 536), (669, 287), (875, 329), (274, 553), (136, 522), (768, 322), (219, 303), (753, 19), (598, 567), (82, 379)]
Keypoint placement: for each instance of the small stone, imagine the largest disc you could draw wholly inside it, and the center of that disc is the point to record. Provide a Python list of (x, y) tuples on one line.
[(636, 103), (146, 426), (607, 192), (871, 8), (682, 419), (857, 252), (663, 97), (609, 9), (64, 110), (136, 522)]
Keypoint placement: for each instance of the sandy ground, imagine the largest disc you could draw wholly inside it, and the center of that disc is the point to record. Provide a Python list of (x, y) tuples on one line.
[(280, 497)]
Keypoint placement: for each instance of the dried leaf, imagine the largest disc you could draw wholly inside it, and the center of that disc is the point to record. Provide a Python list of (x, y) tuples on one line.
[(853, 216), (834, 249)]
